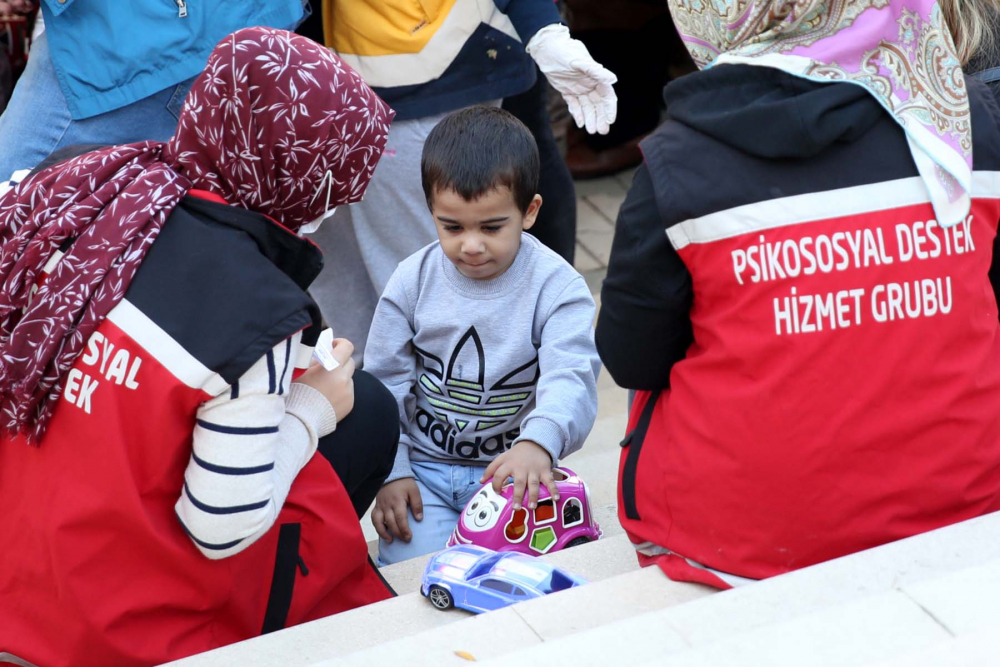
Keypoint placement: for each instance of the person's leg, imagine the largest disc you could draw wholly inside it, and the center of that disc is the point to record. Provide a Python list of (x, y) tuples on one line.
[(397, 222), (6, 78), (637, 41), (465, 484), (312, 23), (641, 69), (364, 242), (343, 289), (556, 222), (363, 447), (36, 117), (440, 515)]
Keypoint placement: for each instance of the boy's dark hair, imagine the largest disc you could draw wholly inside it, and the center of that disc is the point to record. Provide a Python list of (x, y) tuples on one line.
[(479, 149)]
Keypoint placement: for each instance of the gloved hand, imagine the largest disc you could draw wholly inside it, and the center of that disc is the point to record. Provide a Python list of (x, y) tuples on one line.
[(583, 82)]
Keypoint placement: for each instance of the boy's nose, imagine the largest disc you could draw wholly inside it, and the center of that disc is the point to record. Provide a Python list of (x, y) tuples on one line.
[(473, 246)]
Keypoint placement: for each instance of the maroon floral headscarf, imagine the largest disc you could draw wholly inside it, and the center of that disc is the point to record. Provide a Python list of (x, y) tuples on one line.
[(276, 123)]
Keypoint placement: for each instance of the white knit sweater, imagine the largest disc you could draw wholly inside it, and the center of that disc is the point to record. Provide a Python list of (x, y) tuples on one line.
[(250, 442)]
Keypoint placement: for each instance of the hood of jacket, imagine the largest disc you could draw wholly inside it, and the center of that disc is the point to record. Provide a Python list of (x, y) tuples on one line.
[(769, 113)]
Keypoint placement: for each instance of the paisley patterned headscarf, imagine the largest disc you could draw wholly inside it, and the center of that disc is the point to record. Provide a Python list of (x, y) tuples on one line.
[(275, 124), (899, 50)]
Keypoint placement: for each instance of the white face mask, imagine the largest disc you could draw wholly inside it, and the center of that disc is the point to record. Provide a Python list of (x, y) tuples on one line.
[(311, 227)]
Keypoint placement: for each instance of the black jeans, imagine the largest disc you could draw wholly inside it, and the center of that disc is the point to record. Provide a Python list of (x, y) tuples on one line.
[(556, 223), (363, 448)]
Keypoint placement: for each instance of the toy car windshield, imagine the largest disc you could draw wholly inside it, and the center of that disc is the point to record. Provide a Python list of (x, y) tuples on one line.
[(478, 579)]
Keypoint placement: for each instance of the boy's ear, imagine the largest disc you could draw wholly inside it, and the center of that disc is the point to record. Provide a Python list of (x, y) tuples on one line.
[(532, 213)]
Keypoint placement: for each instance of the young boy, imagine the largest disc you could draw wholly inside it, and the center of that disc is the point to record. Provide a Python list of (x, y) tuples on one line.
[(484, 337)]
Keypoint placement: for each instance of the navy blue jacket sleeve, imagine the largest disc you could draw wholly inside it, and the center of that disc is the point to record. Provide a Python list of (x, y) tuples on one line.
[(644, 325), (529, 16)]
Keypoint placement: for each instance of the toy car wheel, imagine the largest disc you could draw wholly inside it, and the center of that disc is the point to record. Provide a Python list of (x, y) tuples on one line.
[(440, 597), (575, 542)]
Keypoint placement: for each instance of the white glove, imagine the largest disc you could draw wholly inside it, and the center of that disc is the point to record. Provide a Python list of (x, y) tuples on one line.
[(583, 82)]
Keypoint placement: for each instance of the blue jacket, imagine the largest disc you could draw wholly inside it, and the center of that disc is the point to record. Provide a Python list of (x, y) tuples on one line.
[(110, 53), (430, 57)]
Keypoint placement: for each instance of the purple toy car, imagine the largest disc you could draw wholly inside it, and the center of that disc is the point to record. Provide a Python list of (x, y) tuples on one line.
[(489, 520), (478, 579)]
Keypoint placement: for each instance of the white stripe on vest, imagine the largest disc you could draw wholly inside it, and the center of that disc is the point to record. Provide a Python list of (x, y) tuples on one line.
[(816, 206), (167, 351)]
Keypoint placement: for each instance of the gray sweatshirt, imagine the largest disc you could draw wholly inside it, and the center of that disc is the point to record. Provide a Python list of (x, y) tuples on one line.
[(478, 365)]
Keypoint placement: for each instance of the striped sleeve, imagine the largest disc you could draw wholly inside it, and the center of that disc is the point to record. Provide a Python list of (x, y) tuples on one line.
[(250, 442)]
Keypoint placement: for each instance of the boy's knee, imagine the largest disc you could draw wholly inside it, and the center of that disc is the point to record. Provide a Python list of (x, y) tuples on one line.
[(428, 537)]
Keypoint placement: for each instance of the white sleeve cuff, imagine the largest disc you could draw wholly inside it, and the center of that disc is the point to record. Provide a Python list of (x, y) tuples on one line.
[(311, 406)]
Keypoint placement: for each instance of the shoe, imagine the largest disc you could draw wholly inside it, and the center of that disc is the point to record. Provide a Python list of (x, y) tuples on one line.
[(585, 163)]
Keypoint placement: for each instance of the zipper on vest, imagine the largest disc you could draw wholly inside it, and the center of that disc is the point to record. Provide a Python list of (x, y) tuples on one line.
[(634, 441), (302, 567), (182, 9)]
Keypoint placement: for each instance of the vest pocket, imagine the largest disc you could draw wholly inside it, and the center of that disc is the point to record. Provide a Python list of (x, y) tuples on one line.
[(634, 441), (286, 562)]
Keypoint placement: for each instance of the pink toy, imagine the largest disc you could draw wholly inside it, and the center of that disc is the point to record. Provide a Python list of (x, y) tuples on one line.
[(489, 520)]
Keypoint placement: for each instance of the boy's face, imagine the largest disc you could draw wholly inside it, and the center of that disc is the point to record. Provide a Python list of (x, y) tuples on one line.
[(481, 237)]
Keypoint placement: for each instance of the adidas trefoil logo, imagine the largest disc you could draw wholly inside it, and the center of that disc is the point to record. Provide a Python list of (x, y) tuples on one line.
[(458, 393)]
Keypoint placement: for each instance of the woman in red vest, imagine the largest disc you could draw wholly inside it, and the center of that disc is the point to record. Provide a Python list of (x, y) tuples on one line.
[(802, 290), (159, 490)]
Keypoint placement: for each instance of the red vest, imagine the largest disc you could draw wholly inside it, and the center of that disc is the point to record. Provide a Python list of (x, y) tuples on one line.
[(842, 389), (95, 568)]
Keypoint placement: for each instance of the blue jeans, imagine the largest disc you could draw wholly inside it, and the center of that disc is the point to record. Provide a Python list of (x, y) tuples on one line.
[(37, 121), (445, 489)]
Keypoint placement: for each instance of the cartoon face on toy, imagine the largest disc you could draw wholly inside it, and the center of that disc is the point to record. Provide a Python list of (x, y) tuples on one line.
[(490, 520), (484, 510)]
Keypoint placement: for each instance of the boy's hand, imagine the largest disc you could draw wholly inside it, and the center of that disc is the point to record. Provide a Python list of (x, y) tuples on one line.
[(389, 516), (529, 464)]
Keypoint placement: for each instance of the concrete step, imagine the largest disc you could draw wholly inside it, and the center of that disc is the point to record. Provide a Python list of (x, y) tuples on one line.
[(406, 615), (965, 604), (570, 613), (908, 595), (856, 633), (976, 649), (892, 626), (936, 585), (332, 636)]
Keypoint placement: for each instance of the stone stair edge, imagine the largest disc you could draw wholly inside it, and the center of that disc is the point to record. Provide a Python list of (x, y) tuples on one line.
[(908, 563), (312, 641), (568, 612)]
